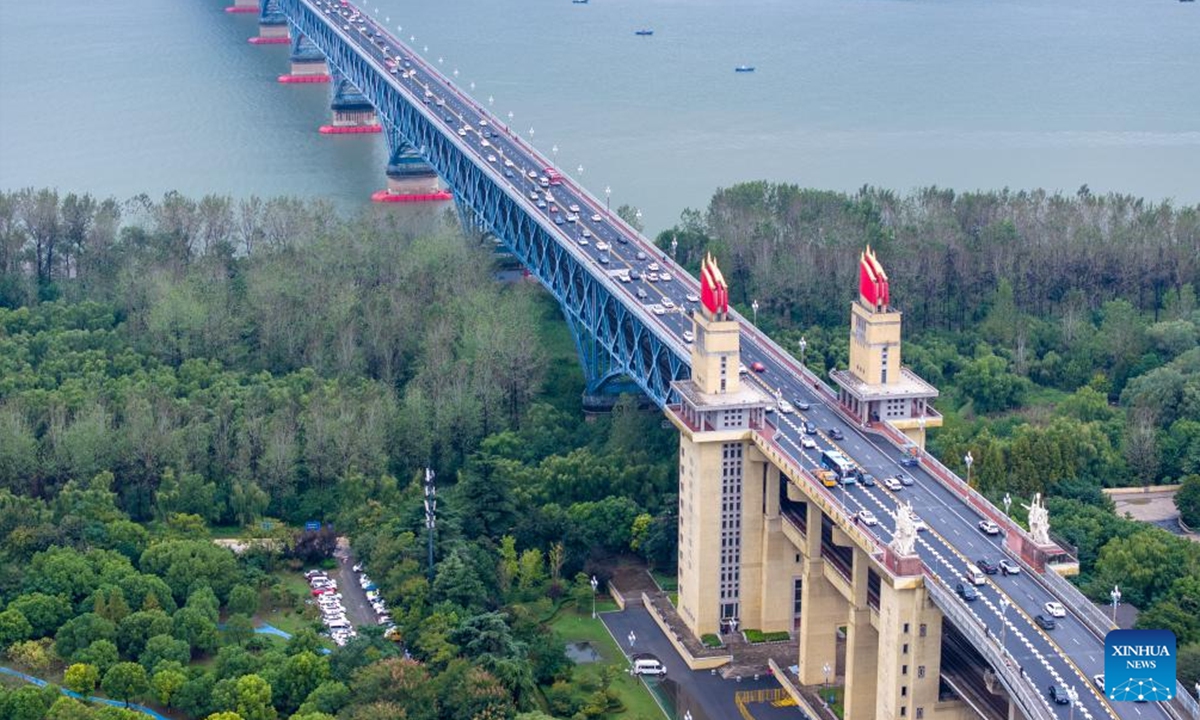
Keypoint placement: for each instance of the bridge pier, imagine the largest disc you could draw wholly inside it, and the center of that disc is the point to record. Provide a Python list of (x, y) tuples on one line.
[(243, 6), (352, 113), (409, 177), (272, 25), (307, 62)]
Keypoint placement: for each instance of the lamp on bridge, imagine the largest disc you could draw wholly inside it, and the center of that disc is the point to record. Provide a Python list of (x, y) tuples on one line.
[(969, 460), (580, 168), (595, 586), (554, 151), (1007, 502), (803, 346), (1115, 594), (674, 247), (826, 695), (1004, 604), (754, 307), (607, 198)]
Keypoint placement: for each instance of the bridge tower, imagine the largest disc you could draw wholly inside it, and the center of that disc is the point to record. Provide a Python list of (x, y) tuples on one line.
[(720, 474), (877, 387)]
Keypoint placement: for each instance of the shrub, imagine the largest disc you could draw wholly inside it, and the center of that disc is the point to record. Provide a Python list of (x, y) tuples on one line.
[(758, 636), (711, 640)]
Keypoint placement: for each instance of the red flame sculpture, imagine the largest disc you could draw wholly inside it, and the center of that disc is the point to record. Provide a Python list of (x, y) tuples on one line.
[(714, 293), (872, 281)]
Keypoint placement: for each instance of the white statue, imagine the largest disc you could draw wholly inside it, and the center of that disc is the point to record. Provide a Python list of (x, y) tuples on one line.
[(1039, 521), (904, 540)]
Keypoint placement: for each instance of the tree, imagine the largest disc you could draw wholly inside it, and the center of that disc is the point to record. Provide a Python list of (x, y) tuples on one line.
[(531, 573), (124, 681), (239, 630), (328, 697), (187, 563), (164, 648), (1187, 500), (67, 708), (243, 600), (101, 653), (13, 627), (224, 715), (196, 628), (990, 385), (166, 682), (136, 628), (395, 680), (34, 655), (506, 571), (301, 675), (80, 632), (81, 678), (254, 698), (457, 582)]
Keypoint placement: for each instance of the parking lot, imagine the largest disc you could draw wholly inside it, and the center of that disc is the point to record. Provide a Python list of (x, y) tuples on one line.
[(346, 598)]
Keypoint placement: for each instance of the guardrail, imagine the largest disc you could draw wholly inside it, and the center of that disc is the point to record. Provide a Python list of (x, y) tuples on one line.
[(1033, 705)]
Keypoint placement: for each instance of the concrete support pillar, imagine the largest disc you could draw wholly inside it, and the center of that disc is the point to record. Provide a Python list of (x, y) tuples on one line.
[(862, 665), (272, 25), (909, 650), (822, 609), (307, 62), (352, 113), (243, 6)]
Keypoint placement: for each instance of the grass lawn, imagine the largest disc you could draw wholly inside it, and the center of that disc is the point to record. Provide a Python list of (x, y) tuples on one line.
[(839, 699), (576, 627), (667, 582)]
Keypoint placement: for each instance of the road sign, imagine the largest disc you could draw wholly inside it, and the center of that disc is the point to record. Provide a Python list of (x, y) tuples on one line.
[(312, 525)]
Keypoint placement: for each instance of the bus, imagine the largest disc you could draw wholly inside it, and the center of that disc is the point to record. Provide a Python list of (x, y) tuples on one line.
[(839, 464), (553, 176)]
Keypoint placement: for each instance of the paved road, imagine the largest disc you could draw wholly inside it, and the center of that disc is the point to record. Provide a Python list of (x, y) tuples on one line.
[(706, 695), (358, 609), (1071, 653)]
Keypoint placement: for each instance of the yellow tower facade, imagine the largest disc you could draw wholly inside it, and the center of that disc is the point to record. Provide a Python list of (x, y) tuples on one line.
[(877, 387)]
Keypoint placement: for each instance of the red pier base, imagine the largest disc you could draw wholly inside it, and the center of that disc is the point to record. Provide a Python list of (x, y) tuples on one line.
[(350, 130), (242, 9), (270, 40), (385, 196), (293, 79)]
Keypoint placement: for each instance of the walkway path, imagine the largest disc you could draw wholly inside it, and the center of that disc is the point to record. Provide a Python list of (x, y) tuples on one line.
[(92, 698)]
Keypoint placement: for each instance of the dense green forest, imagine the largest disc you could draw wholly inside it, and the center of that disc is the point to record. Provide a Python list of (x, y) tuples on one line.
[(171, 369)]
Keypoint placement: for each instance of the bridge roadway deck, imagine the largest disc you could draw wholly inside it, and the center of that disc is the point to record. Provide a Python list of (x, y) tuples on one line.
[(1070, 653)]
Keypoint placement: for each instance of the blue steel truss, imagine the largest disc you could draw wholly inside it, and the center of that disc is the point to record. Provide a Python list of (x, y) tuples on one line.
[(303, 49), (614, 338), (269, 13)]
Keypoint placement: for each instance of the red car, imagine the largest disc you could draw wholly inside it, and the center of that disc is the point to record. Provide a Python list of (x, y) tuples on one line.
[(758, 367)]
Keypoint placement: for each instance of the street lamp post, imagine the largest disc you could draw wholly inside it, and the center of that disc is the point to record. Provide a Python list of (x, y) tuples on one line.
[(825, 690), (969, 460), (554, 151), (595, 585), (803, 345), (580, 169), (754, 307), (1115, 594), (607, 198), (638, 216), (1007, 502), (632, 638), (674, 247)]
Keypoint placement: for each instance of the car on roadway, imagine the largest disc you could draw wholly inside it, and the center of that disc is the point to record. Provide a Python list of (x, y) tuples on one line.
[(693, 298), (666, 276), (786, 408), (1008, 567), (597, 218), (508, 163), (689, 336), (603, 259), (1099, 681), (587, 233), (891, 483), (1044, 621), (909, 461), (602, 246), (658, 309), (541, 204), (668, 303), (508, 173), (462, 132), (918, 523), (904, 479), (800, 404), (1058, 694), (758, 367), (989, 528), (653, 267), (491, 158), (987, 566), (641, 255), (652, 277), (1055, 608), (967, 592), (633, 273), (642, 294), (866, 517), (836, 434), (810, 427), (558, 220), (573, 208), (532, 174), (866, 479)]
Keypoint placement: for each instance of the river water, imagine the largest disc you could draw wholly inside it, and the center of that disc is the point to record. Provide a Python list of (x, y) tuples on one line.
[(154, 95)]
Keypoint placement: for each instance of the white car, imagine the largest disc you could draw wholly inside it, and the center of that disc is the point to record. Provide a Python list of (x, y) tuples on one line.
[(688, 336), (666, 276), (532, 174), (491, 158), (918, 523), (866, 517), (508, 163), (587, 233), (808, 443), (892, 484), (573, 208), (583, 241), (658, 310), (652, 267), (989, 527), (597, 218), (652, 277), (602, 246), (668, 303), (786, 408), (1055, 608)]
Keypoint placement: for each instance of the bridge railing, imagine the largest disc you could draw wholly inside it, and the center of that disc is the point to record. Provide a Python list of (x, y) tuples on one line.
[(1019, 686)]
